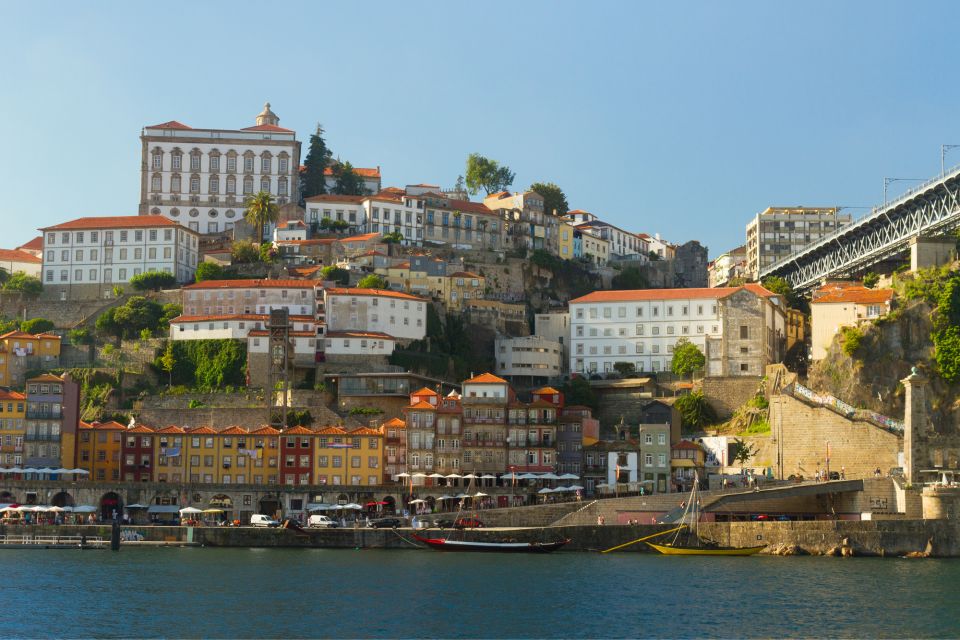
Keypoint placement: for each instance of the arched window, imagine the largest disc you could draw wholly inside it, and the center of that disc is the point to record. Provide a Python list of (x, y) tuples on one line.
[(214, 184), (195, 183), (247, 185), (155, 211), (231, 160), (248, 162), (231, 184), (265, 162), (282, 186), (214, 160), (265, 185), (283, 162), (194, 213), (213, 213), (175, 183), (176, 160), (155, 182), (174, 213)]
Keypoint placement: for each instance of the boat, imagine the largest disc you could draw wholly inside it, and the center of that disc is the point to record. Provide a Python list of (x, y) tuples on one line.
[(446, 544), (683, 550)]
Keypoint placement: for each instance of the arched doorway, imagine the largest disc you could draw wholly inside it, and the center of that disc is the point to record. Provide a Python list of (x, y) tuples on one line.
[(270, 506), (62, 499), (225, 502), (7, 498), (110, 504), (389, 504)]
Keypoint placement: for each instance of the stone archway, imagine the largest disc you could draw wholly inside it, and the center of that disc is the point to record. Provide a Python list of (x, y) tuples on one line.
[(270, 506), (7, 498), (389, 504), (62, 499), (111, 504)]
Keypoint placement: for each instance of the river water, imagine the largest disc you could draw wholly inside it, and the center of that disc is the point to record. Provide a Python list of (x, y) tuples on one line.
[(294, 593)]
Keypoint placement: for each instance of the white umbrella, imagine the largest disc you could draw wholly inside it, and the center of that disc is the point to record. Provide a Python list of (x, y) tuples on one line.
[(9, 510), (80, 471), (528, 476), (470, 476), (436, 475), (445, 498), (417, 501), (403, 475), (190, 511), (62, 470), (68, 509), (549, 476), (488, 476), (56, 509), (480, 494), (460, 495), (5, 470), (509, 476), (569, 476), (419, 475), (353, 505), (576, 487), (46, 470), (603, 485), (560, 489), (84, 509), (453, 475), (545, 490)]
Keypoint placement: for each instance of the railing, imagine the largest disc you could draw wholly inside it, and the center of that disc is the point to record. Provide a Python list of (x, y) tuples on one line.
[(89, 541), (41, 415), (41, 437), (532, 443), (482, 443)]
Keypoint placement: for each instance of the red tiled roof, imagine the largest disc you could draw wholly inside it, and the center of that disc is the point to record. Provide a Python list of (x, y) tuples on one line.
[(332, 431), (251, 284), (359, 334), (637, 295), (268, 127), (6, 394), (545, 391), (386, 293), (108, 426), (45, 377), (16, 255), (171, 429), (34, 245), (360, 171), (234, 431), (395, 422), (113, 222), (333, 197), (140, 428), (28, 336), (204, 430), (360, 238), (686, 444), (464, 274), (288, 224), (297, 430), (172, 124), (421, 406), (854, 295), (365, 431), (485, 378), (426, 391), (265, 430)]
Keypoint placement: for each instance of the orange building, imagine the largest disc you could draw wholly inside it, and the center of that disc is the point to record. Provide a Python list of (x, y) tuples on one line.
[(99, 449)]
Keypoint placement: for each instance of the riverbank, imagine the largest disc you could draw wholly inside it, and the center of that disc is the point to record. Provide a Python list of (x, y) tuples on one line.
[(864, 538)]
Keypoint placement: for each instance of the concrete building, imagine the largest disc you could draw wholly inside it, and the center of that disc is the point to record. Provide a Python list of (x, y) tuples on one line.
[(658, 246), (85, 258), (400, 315), (690, 265), (841, 304), (555, 326), (348, 210), (461, 223), (485, 402), (200, 177), (394, 211), (231, 326), (421, 420), (19, 261), (739, 329), (728, 266), (250, 296), (526, 224), (52, 422), (621, 245), (594, 248), (566, 244), (576, 428), (654, 457), (778, 232), (532, 357)]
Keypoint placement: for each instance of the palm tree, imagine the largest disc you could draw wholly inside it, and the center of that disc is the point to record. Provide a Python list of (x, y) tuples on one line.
[(261, 210)]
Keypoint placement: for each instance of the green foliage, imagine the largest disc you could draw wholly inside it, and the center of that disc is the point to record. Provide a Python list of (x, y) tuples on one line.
[(129, 319), (629, 278), (394, 237), (486, 174), (759, 426), (450, 349), (687, 358), (36, 325), (206, 364), (153, 281), (338, 275), (334, 225), (268, 253), (348, 182), (117, 290), (784, 289), (852, 338), (372, 281), (210, 271), (743, 451), (295, 418), (195, 404), (23, 283), (579, 392), (694, 410), (261, 210), (554, 200), (546, 260), (167, 361), (79, 337), (625, 369), (8, 325), (947, 355), (759, 401), (870, 279), (318, 159), (243, 252), (654, 256), (365, 411)]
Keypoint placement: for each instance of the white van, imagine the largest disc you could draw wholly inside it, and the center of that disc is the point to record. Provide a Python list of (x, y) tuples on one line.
[(322, 521), (260, 520)]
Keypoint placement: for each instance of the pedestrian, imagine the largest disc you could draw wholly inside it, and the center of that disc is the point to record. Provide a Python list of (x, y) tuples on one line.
[(843, 473), (877, 473)]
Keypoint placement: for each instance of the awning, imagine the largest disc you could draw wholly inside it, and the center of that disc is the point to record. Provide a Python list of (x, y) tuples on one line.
[(163, 508), (683, 463)]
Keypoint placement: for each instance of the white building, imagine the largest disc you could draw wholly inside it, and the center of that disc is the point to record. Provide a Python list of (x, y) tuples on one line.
[(528, 356), (231, 327), (290, 230), (399, 315), (371, 179), (779, 232), (393, 210), (843, 304), (85, 258), (201, 177), (349, 209), (658, 246), (17, 261), (358, 343), (555, 327), (229, 297), (739, 329)]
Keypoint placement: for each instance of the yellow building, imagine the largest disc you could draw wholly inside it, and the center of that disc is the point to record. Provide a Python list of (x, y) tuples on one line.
[(461, 287), (595, 248), (566, 240), (168, 454), (201, 451), (99, 450), (265, 443), (21, 352), (349, 457), (12, 427)]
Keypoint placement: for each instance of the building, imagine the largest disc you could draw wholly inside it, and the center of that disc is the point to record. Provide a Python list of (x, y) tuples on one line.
[(576, 428), (461, 223), (87, 257), (779, 232), (839, 304), (621, 245), (594, 248), (740, 330), (200, 178), (34, 247), (394, 211), (297, 456), (690, 265), (22, 352), (654, 457), (459, 288), (400, 315), (12, 427), (394, 448), (290, 230), (555, 326), (52, 422), (485, 401), (501, 317), (136, 454), (531, 357), (259, 297), (687, 461), (19, 261), (728, 266), (448, 454), (371, 178), (99, 450), (525, 222), (657, 246), (349, 457), (421, 418), (231, 326), (566, 244), (532, 432)]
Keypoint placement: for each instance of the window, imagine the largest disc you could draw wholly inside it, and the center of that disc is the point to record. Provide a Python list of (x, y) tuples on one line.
[(744, 332)]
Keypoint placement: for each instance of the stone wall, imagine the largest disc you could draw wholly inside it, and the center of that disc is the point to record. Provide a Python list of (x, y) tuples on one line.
[(725, 393)]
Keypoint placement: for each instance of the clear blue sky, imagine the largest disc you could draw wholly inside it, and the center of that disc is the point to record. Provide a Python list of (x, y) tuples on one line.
[(678, 118)]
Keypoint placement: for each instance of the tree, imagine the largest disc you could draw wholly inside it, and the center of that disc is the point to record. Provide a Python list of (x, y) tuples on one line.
[(129, 319), (694, 410), (779, 286), (338, 275), (36, 325), (4, 275), (348, 182), (486, 174), (625, 369), (742, 452), (313, 182), (209, 271), (168, 361), (243, 252), (554, 200), (153, 281), (394, 237), (261, 210), (579, 392), (870, 279), (268, 253), (80, 337), (629, 278), (372, 281), (117, 290), (687, 358), (24, 284)]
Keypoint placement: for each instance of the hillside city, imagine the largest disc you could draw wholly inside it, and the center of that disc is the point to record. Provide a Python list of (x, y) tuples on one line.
[(270, 316)]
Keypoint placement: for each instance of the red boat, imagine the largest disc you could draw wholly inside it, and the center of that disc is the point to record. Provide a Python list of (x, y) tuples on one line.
[(445, 544)]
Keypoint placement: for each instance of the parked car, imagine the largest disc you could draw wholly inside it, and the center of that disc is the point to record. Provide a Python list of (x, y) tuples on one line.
[(322, 522), (443, 523), (386, 523), (260, 520), (467, 523)]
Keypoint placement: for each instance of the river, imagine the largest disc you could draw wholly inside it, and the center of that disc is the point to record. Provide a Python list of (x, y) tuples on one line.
[(294, 593)]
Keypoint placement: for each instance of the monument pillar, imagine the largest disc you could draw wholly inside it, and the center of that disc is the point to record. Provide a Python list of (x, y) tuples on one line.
[(914, 424)]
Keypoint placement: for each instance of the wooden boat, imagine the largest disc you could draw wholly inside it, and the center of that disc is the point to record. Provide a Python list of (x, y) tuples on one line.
[(446, 544), (670, 550)]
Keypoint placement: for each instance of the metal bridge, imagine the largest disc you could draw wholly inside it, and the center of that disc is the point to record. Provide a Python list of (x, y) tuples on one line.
[(931, 209)]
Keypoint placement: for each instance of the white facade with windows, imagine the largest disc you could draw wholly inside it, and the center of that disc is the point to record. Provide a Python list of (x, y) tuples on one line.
[(358, 343), (393, 211), (229, 297), (533, 356), (349, 209), (201, 177), (396, 314), (87, 257), (230, 327)]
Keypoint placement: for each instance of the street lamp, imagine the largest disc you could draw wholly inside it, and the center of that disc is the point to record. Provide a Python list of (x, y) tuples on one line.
[(887, 181), (943, 152)]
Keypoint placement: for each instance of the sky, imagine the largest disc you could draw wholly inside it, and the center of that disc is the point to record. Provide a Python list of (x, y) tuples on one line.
[(678, 118)]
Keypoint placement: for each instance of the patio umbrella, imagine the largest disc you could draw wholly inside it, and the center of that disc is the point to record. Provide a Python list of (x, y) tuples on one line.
[(353, 505), (418, 501), (488, 476), (576, 487), (569, 476), (480, 494), (470, 476), (445, 498), (84, 509), (460, 495), (80, 471), (436, 475), (136, 506), (46, 470), (56, 509), (419, 475), (545, 490), (212, 511), (453, 475), (190, 511), (603, 485), (61, 470), (509, 476), (403, 475), (549, 476)]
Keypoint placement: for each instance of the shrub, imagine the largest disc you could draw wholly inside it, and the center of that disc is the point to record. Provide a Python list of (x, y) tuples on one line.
[(153, 281), (852, 338), (36, 325)]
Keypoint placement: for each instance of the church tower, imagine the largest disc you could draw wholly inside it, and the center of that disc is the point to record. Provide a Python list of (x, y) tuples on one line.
[(267, 116)]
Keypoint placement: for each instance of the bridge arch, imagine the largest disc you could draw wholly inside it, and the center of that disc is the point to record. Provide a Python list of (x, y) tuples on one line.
[(110, 503)]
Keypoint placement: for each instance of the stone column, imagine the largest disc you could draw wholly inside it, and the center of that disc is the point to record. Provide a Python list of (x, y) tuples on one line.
[(915, 424)]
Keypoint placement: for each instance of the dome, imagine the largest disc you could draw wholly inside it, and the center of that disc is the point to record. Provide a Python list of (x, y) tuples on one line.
[(267, 116)]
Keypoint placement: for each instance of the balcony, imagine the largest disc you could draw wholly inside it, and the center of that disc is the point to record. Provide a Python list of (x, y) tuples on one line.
[(467, 400), (477, 420), (44, 415), (41, 437), (483, 443), (535, 444)]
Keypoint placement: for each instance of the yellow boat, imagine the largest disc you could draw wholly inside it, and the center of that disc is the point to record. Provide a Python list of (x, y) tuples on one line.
[(669, 550)]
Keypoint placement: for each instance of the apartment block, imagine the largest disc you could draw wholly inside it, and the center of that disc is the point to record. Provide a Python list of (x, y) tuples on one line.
[(777, 233)]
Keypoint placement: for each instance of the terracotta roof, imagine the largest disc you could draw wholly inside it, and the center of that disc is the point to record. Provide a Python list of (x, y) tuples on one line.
[(386, 293), (464, 274), (234, 431), (360, 171), (251, 284), (16, 255), (298, 430), (34, 245), (265, 430), (45, 377), (365, 431), (332, 431), (6, 394), (545, 391), (140, 428), (256, 333), (333, 197), (425, 391), (360, 238), (287, 224), (203, 430), (855, 295), (172, 124), (421, 406), (359, 334), (112, 425), (171, 429), (637, 295), (237, 316), (485, 378), (686, 444), (268, 127), (25, 335), (113, 222), (395, 422)]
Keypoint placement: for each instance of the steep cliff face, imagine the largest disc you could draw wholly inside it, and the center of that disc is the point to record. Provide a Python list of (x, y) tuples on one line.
[(887, 350)]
